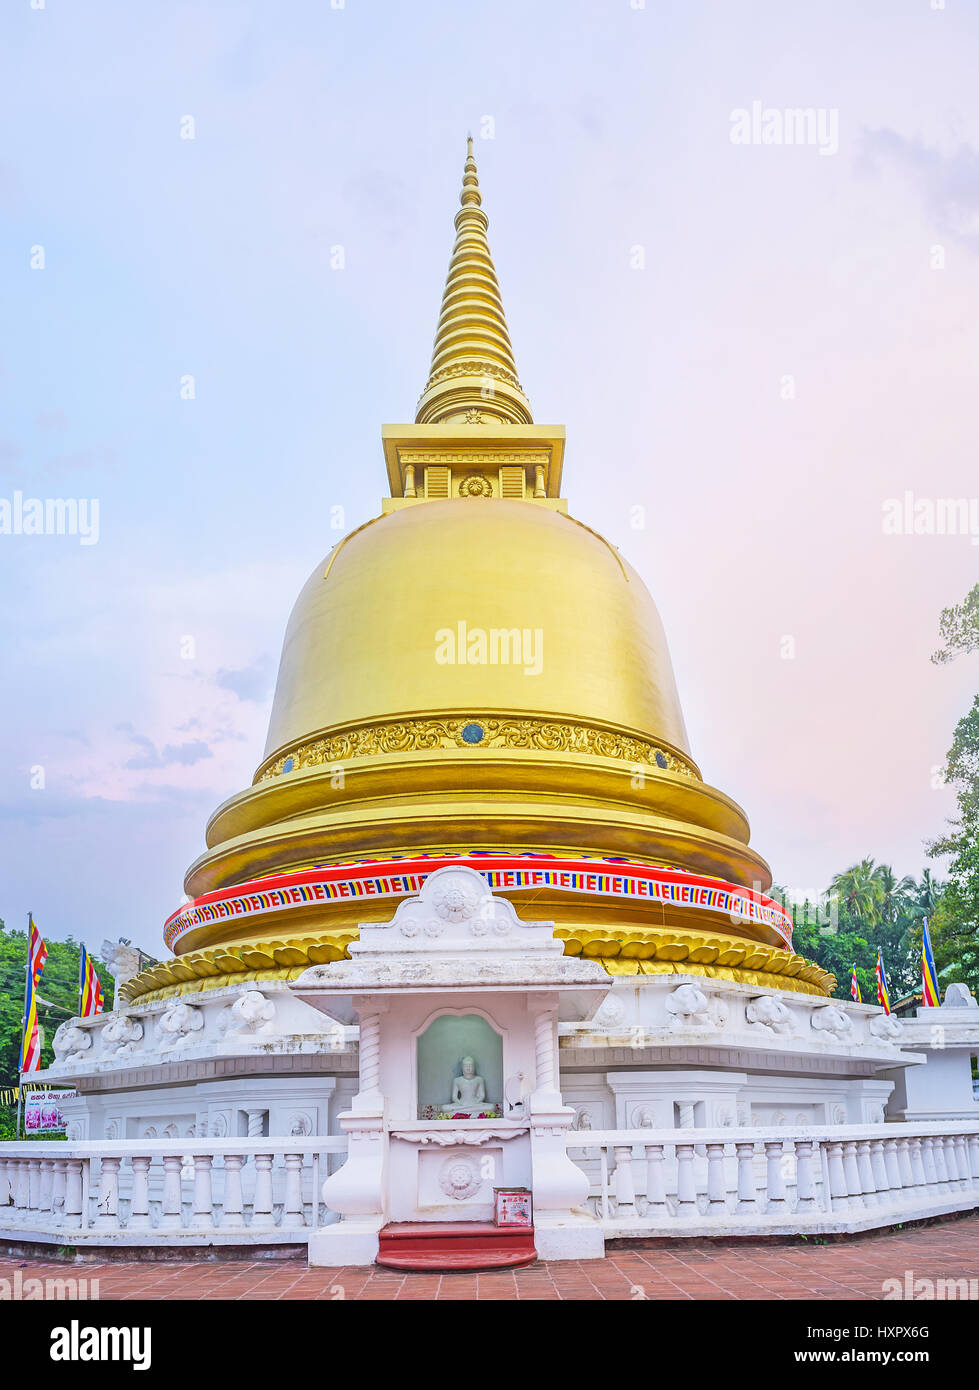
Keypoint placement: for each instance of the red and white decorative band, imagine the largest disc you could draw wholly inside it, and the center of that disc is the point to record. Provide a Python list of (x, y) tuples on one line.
[(400, 878)]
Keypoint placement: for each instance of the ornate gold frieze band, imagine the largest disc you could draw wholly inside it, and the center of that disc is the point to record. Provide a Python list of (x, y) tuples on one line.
[(475, 732), (638, 951)]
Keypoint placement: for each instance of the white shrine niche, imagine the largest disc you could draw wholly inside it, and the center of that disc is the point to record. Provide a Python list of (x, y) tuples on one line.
[(458, 1002), (459, 1068)]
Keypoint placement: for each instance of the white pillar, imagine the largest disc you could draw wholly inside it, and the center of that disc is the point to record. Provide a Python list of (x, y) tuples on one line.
[(139, 1206), (203, 1217), (107, 1218), (864, 1168), (805, 1186), (58, 1188), (686, 1190), (851, 1168), (774, 1151), (625, 1188), (47, 1183), (170, 1216), (292, 1207), (716, 1194), (73, 1194), (231, 1212), (655, 1182), (262, 1214), (839, 1196), (747, 1200)]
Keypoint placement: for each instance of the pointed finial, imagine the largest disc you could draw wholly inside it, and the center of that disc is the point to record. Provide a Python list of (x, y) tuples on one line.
[(470, 195), (473, 374)]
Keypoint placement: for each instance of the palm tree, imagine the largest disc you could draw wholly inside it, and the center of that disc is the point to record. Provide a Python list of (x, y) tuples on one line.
[(894, 893), (858, 891), (925, 897)]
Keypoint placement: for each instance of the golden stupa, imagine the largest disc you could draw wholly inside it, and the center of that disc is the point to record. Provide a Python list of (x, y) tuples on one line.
[(475, 673)]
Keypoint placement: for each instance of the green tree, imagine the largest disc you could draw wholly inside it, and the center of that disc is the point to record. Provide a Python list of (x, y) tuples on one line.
[(57, 995), (955, 924), (958, 628), (865, 907), (857, 892)]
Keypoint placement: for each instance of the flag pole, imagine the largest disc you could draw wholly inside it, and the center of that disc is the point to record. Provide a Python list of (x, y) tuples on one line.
[(23, 1026)]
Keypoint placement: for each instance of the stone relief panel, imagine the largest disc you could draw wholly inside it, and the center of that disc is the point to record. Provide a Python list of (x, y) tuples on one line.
[(180, 1026), (689, 1009)]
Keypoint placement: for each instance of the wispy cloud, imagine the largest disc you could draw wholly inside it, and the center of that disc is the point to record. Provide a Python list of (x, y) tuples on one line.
[(948, 184), (250, 682), (181, 754)]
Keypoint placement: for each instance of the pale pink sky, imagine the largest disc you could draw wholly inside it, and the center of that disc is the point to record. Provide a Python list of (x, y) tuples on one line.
[(600, 128)]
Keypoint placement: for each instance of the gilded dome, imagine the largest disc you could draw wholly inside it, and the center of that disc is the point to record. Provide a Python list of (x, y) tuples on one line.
[(476, 675), (406, 616)]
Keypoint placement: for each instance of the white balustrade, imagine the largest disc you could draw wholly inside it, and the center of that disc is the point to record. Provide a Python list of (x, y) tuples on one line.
[(668, 1182), (835, 1177), (135, 1192)]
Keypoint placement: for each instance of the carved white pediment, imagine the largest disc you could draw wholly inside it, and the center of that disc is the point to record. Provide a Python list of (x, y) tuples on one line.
[(455, 911), (456, 934)]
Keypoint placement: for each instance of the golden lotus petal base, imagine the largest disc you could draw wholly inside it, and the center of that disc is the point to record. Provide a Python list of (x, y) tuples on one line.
[(620, 951)]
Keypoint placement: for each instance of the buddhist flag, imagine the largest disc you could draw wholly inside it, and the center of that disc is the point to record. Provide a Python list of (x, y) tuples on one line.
[(30, 1046), (931, 995), (90, 1001), (855, 987), (883, 998)]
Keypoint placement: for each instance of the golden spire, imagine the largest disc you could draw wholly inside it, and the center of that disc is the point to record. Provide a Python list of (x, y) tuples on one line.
[(473, 377)]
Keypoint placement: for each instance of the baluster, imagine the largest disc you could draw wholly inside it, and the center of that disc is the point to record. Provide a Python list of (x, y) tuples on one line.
[(947, 1151), (747, 1200), (73, 1193), (603, 1163), (262, 1214), (839, 1192), (292, 1207), (952, 1163), (656, 1207), (916, 1155), (10, 1215), (107, 1218), (962, 1162), (33, 1189), (686, 1189), (774, 1180), (45, 1192), (314, 1203), (865, 1169), (851, 1168), (203, 1217), (625, 1187), (716, 1191), (805, 1184), (23, 1188), (879, 1171), (974, 1155), (170, 1215), (232, 1212), (5, 1195), (58, 1189), (941, 1168), (944, 1161), (893, 1169), (139, 1206), (928, 1163)]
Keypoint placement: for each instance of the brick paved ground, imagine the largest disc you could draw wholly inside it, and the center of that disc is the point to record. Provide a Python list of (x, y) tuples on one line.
[(841, 1270)]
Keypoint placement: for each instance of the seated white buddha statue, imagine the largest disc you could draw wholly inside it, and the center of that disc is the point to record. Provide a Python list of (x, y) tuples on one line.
[(468, 1093)]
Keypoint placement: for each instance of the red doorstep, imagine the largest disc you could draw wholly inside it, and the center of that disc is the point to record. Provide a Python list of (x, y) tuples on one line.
[(454, 1245)]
